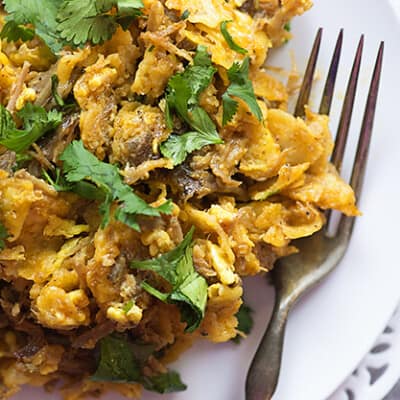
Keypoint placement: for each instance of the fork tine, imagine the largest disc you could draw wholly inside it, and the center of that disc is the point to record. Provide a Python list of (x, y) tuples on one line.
[(361, 158), (305, 90), (367, 126), (327, 96), (345, 118), (347, 110)]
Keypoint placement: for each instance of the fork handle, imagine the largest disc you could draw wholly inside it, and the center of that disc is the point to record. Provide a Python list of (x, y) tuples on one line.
[(263, 374)]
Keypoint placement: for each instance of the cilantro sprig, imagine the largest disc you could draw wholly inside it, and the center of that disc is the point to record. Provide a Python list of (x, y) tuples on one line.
[(91, 21), (36, 123), (182, 97), (184, 89), (93, 179), (189, 288), (62, 23), (3, 235), (41, 14), (122, 361), (242, 88), (228, 38)]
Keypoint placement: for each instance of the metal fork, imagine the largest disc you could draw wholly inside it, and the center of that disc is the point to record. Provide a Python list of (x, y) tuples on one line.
[(320, 253)]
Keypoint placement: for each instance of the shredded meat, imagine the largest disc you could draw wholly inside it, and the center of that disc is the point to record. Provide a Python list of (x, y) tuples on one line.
[(187, 183), (17, 88), (138, 130), (41, 83), (63, 136), (35, 343), (93, 335), (77, 362), (7, 160)]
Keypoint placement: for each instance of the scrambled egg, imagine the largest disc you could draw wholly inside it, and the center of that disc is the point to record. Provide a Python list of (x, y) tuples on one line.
[(266, 185)]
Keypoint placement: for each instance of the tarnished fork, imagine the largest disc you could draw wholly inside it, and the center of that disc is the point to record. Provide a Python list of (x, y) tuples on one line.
[(320, 253)]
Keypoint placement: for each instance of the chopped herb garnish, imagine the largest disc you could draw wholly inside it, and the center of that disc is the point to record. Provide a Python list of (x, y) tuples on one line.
[(167, 382), (62, 23), (227, 36), (83, 189), (41, 14), (128, 306), (3, 236), (241, 87), (122, 361), (177, 147), (184, 90), (99, 25), (185, 15), (182, 97), (117, 363), (189, 288), (245, 321), (14, 32), (36, 123), (91, 178)]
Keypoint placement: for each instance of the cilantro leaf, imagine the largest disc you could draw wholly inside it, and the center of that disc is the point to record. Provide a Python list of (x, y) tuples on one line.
[(3, 236), (184, 89), (36, 122), (67, 22), (230, 107), (13, 32), (125, 7), (183, 94), (202, 59), (189, 288), (122, 361), (241, 87), (91, 21), (93, 178), (227, 36), (245, 321), (177, 147), (39, 13), (168, 382), (83, 189), (169, 265), (117, 363)]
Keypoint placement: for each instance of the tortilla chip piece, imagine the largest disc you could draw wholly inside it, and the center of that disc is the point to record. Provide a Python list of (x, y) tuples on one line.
[(263, 157), (294, 137), (287, 177), (327, 190)]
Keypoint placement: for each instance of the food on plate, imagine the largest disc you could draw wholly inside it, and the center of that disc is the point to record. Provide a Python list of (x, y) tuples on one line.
[(147, 164)]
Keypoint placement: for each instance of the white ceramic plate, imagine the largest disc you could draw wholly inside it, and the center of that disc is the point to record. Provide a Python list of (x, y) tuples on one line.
[(332, 328)]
